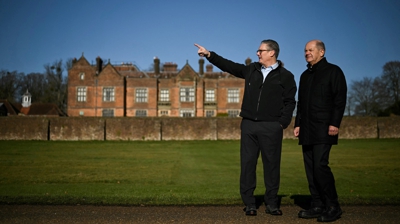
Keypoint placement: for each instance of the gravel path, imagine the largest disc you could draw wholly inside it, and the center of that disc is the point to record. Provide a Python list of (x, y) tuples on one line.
[(176, 214)]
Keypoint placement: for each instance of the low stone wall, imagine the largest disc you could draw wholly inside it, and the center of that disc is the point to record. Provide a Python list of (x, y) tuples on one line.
[(189, 129), (160, 128), (359, 127), (24, 128), (228, 128), (127, 129), (76, 129), (388, 127)]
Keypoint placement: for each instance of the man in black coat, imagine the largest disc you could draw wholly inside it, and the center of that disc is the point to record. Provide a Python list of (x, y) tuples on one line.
[(267, 107), (321, 103)]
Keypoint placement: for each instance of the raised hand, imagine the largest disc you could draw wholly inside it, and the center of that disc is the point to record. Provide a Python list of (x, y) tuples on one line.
[(203, 52)]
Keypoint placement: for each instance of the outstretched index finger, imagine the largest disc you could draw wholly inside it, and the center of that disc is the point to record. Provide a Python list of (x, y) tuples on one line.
[(198, 46)]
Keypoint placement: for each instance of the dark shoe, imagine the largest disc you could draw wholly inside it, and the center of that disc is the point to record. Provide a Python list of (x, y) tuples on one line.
[(331, 214), (311, 213), (250, 210), (273, 211)]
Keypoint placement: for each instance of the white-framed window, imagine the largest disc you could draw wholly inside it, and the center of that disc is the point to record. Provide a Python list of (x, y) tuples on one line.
[(141, 95), (164, 113), (82, 76), (81, 113), (209, 113), (164, 95), (233, 113), (81, 94), (186, 113), (233, 95), (108, 94), (187, 94), (210, 95), (108, 113), (141, 113)]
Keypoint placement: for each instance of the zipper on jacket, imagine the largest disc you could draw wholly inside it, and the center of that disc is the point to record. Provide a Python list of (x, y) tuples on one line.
[(259, 97)]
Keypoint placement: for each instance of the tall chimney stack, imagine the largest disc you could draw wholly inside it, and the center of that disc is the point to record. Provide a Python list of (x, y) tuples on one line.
[(201, 66), (209, 68), (156, 66), (99, 64), (170, 67)]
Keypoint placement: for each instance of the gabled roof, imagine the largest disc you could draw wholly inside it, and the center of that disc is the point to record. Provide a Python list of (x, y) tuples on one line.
[(10, 107), (82, 62), (109, 69), (42, 109), (187, 72), (36, 109)]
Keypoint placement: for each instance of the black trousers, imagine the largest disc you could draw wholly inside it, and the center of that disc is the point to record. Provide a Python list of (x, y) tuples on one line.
[(321, 181), (264, 137)]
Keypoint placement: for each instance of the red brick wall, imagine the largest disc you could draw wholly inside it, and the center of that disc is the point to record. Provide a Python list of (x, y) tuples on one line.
[(151, 105), (74, 81)]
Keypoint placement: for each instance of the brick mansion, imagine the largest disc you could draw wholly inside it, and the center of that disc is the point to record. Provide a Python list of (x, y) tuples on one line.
[(109, 90)]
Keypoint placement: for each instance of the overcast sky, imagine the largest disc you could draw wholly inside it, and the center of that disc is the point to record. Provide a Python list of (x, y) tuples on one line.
[(360, 36)]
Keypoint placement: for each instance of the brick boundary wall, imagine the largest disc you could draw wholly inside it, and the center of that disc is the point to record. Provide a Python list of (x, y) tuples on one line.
[(165, 128), (76, 129), (24, 128), (388, 127), (132, 129), (189, 129), (228, 128)]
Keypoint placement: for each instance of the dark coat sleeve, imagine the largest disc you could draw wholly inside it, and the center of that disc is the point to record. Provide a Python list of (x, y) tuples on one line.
[(339, 87), (236, 69), (288, 97)]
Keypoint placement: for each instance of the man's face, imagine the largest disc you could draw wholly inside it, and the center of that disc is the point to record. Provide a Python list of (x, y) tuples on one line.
[(312, 53), (264, 54)]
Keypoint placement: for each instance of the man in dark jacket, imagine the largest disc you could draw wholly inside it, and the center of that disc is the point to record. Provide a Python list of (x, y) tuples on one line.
[(320, 107), (267, 108)]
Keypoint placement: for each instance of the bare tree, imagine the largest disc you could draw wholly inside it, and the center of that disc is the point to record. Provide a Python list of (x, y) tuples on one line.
[(68, 64), (55, 92), (35, 83), (10, 84), (349, 105), (365, 97), (383, 96), (391, 79)]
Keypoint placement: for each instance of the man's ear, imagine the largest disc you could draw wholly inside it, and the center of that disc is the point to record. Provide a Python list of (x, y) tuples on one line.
[(322, 52), (271, 53)]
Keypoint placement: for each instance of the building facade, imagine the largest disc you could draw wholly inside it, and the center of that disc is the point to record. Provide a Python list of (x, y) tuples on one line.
[(124, 91)]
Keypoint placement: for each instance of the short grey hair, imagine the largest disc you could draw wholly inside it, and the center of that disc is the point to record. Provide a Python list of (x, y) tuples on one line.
[(320, 45), (273, 45)]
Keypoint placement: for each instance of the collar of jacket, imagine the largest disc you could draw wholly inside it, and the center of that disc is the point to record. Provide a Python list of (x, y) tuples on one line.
[(318, 65), (259, 65)]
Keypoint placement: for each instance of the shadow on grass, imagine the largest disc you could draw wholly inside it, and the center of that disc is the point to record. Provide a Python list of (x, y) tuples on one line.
[(303, 201), (260, 200)]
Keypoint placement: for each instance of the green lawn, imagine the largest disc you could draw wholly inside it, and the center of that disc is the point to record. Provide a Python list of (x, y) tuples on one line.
[(182, 172)]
